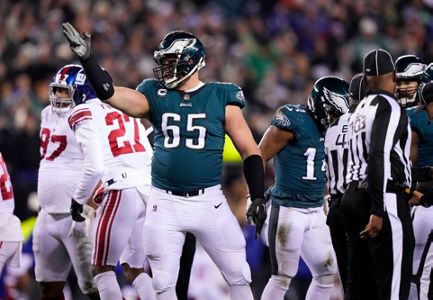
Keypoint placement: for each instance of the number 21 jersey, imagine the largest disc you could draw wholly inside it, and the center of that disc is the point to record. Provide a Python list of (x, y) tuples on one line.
[(115, 146)]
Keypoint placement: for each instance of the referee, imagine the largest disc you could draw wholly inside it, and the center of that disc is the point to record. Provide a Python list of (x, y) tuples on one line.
[(374, 207), (336, 157)]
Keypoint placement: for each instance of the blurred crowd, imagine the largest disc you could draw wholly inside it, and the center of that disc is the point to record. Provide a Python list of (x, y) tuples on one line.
[(273, 49)]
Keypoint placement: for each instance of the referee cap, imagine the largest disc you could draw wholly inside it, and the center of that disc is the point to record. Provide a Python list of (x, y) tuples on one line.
[(378, 62), (426, 96), (358, 87)]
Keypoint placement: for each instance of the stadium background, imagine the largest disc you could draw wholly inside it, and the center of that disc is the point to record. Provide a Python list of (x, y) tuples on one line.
[(274, 49)]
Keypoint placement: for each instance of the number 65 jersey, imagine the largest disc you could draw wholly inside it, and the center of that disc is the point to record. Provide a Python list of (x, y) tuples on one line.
[(299, 166), (115, 145), (61, 163), (189, 127)]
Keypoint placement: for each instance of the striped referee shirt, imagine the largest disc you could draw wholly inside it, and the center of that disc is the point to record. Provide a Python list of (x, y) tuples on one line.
[(336, 154), (379, 146)]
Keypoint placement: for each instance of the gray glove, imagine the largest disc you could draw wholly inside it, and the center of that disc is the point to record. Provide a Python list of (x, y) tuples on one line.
[(256, 214), (79, 43)]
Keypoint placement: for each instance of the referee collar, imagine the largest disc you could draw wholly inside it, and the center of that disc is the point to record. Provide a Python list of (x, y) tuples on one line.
[(379, 91)]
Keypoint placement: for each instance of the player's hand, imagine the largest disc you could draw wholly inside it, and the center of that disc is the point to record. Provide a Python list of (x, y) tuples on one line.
[(99, 195), (79, 43), (373, 228), (416, 198), (256, 214), (78, 229), (77, 211)]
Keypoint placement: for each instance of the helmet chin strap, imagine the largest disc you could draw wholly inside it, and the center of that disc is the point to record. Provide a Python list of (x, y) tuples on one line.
[(176, 83)]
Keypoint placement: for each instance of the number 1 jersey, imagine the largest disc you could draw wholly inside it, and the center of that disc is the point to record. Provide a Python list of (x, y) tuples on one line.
[(299, 166)]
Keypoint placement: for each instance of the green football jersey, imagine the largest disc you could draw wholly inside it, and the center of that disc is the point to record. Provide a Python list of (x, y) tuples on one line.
[(420, 123), (189, 133), (299, 166)]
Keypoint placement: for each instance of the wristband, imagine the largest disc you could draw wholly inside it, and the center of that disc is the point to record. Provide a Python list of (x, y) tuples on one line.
[(99, 78), (255, 176)]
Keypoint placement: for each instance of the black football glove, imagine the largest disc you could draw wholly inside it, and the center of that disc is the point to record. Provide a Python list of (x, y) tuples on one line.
[(76, 211), (256, 214), (79, 43)]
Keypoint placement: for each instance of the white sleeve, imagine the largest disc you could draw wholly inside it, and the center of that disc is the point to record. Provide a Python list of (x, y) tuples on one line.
[(88, 137)]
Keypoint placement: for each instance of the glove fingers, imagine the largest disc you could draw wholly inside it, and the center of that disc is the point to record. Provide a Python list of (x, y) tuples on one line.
[(70, 29), (67, 31)]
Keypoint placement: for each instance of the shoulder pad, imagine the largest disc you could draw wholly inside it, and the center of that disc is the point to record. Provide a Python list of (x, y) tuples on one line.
[(288, 115), (79, 114), (232, 92), (150, 83)]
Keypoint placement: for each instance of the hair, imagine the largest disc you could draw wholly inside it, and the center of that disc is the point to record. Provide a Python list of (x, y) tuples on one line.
[(385, 82)]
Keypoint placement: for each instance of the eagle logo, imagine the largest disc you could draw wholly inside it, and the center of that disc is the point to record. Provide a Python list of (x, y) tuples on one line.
[(336, 101)]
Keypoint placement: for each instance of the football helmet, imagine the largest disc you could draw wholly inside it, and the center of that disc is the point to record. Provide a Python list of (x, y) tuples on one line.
[(74, 89), (178, 56), (357, 89), (410, 72), (329, 96)]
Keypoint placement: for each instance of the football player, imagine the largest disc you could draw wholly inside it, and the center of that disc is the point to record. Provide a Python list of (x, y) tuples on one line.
[(297, 226), (116, 149), (190, 118), (412, 74), (11, 236), (60, 168)]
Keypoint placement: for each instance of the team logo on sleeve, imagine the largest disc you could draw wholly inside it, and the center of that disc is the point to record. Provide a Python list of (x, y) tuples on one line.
[(281, 119), (240, 96)]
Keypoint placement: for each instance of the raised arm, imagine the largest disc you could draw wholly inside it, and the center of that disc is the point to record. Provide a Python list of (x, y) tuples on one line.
[(130, 102), (125, 99)]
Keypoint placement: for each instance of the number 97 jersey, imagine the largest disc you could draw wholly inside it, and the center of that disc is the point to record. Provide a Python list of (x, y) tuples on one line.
[(189, 133), (61, 163), (299, 166)]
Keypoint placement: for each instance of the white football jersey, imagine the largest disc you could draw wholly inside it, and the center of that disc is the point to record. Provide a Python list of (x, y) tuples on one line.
[(61, 163), (7, 202), (115, 148), (337, 154), (10, 225)]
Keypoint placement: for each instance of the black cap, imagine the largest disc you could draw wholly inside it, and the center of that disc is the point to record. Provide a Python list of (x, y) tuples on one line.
[(378, 62), (426, 96), (358, 87)]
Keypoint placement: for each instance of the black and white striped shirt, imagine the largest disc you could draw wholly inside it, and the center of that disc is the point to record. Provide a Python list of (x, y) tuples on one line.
[(379, 145), (336, 154)]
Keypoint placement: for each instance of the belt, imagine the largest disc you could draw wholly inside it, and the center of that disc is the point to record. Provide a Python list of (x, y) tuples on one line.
[(397, 188), (357, 185), (391, 187), (186, 193), (114, 180)]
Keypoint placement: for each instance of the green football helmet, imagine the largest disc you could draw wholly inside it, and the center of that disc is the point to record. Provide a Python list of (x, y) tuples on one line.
[(329, 96), (410, 72), (178, 56)]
